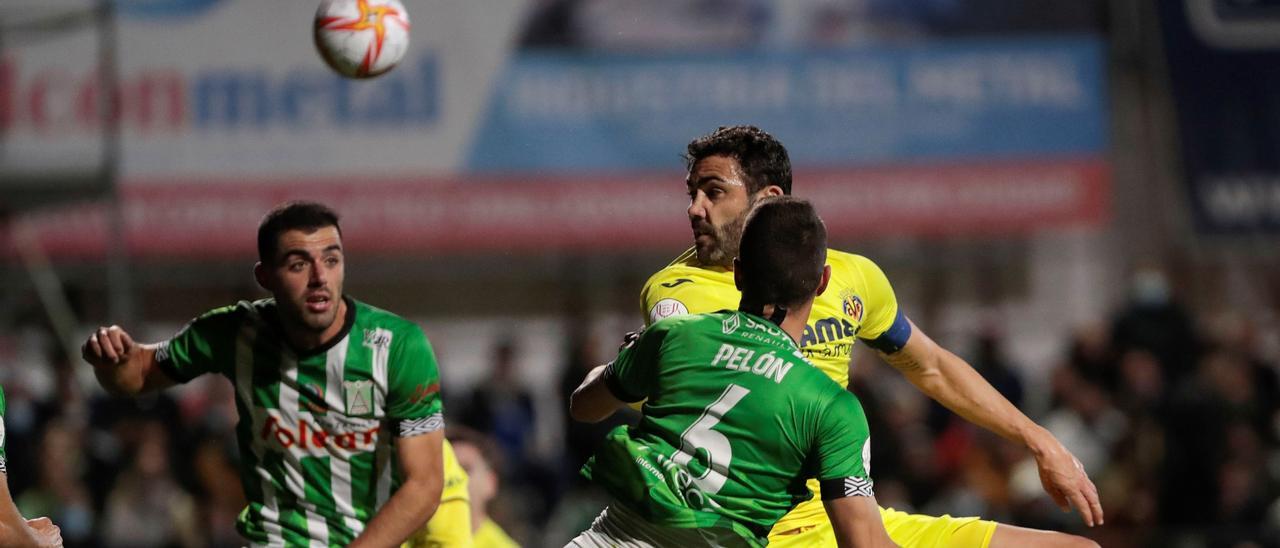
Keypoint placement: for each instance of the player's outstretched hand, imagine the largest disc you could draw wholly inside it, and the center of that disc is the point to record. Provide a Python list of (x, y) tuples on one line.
[(107, 346), (47, 534), (1064, 478)]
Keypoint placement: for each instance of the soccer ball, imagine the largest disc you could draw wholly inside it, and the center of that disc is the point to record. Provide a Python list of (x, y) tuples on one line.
[(362, 38)]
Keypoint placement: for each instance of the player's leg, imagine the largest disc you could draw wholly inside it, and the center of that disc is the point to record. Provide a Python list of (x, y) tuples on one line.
[(1009, 536)]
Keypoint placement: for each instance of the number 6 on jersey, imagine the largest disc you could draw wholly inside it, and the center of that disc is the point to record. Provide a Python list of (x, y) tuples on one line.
[(700, 435)]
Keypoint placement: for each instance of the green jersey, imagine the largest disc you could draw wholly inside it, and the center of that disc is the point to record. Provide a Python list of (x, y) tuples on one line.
[(734, 423), (316, 429)]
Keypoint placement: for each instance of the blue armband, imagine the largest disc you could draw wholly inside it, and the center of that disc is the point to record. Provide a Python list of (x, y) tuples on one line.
[(894, 338)]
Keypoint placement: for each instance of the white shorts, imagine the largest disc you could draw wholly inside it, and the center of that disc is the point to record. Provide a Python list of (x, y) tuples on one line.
[(619, 527)]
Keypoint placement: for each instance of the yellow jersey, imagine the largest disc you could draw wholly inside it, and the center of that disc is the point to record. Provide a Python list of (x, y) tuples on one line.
[(450, 527), (858, 304), (490, 535)]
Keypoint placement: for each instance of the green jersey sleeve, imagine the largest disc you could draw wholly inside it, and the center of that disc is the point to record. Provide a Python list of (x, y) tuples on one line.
[(413, 384), (631, 376), (204, 346), (843, 452)]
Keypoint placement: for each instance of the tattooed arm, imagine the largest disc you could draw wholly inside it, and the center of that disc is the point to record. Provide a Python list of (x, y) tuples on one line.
[(952, 382)]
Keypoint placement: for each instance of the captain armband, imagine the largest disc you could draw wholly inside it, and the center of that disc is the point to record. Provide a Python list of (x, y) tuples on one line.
[(894, 338)]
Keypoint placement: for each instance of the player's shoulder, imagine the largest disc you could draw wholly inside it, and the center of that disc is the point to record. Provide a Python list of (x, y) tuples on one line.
[(681, 322), (371, 317), (233, 314), (852, 263), (682, 266)]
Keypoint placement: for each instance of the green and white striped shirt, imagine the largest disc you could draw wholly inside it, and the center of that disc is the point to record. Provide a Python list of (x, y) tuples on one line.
[(316, 429)]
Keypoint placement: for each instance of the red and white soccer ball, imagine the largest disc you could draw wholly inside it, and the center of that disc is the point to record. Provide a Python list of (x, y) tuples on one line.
[(362, 38)]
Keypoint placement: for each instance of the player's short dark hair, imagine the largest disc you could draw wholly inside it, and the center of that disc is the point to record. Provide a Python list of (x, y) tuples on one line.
[(298, 215), (783, 252), (763, 159)]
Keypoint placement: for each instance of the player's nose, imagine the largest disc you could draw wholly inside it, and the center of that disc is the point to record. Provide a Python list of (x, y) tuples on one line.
[(697, 207)]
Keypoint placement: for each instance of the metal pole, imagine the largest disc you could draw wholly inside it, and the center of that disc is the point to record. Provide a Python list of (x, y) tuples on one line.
[(119, 282)]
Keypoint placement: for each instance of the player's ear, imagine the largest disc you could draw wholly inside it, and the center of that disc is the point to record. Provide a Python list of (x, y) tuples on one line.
[(260, 275), (737, 273), (769, 191), (826, 278)]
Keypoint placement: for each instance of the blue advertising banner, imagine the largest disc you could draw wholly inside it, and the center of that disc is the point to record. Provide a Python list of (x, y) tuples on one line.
[(962, 99), (1224, 66)]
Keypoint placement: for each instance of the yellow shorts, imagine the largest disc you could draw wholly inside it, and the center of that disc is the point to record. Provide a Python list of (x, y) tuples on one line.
[(807, 526)]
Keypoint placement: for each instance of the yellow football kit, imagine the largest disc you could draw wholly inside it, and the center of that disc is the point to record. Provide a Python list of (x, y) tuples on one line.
[(490, 535), (450, 526), (858, 304)]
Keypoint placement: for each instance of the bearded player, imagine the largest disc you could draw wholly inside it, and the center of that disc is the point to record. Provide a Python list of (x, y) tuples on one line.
[(728, 171), (735, 419)]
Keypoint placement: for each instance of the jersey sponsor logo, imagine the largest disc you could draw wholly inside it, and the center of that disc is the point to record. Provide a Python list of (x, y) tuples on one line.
[(677, 282), (359, 396), (827, 330), (667, 308), (681, 481), (730, 324), (421, 392), (377, 338), (769, 366), (316, 436), (853, 308)]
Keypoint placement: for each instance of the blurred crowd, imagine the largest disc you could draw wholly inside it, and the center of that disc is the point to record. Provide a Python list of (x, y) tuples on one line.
[(1174, 416)]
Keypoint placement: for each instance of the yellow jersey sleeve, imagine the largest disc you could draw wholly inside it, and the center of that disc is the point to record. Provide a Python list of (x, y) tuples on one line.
[(879, 302), (450, 526)]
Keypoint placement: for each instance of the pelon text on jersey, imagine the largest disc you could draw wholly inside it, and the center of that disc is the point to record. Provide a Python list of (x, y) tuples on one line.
[(770, 365)]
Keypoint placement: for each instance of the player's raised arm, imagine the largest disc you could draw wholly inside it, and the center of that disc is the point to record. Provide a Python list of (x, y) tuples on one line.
[(123, 367), (593, 401), (951, 381)]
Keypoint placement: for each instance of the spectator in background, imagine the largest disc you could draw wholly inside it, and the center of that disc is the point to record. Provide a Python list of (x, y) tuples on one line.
[(59, 491), (475, 456), (221, 494), (147, 507), (1153, 321), (581, 439), (502, 406)]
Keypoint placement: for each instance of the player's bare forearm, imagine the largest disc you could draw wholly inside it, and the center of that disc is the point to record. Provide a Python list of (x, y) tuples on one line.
[(592, 401), (133, 376), (413, 504), (16, 531), (403, 514), (857, 523), (952, 382)]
